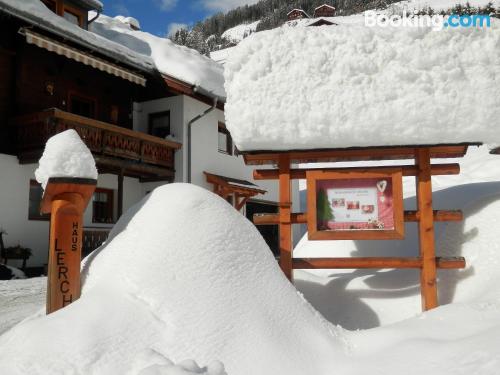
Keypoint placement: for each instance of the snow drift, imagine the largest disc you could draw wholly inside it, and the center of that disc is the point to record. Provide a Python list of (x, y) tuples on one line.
[(351, 85), (183, 275)]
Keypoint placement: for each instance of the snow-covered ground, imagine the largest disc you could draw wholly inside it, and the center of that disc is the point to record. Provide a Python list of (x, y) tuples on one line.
[(238, 33), (209, 289), (20, 299)]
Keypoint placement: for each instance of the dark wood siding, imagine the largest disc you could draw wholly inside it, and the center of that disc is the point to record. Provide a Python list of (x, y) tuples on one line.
[(45, 80)]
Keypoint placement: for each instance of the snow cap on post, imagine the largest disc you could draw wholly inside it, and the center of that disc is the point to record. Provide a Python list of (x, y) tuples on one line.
[(66, 155)]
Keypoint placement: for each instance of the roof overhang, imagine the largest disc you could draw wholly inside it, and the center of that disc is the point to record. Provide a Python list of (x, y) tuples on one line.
[(351, 154), (196, 92), (225, 186), (72, 53)]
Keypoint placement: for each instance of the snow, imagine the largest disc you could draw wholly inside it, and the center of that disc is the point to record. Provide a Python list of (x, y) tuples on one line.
[(65, 155), (176, 61), (194, 281), (350, 85), (20, 299), (198, 282), (439, 5), (96, 4), (132, 22), (238, 33), (37, 13)]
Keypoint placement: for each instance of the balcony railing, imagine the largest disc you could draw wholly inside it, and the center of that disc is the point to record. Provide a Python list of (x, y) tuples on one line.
[(101, 138)]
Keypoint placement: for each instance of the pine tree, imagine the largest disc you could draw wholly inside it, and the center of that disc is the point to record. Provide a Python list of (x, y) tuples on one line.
[(323, 209)]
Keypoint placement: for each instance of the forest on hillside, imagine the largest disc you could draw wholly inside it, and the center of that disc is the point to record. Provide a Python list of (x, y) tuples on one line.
[(206, 35)]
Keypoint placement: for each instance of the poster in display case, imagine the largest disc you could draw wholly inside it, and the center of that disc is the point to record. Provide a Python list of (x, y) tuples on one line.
[(355, 205)]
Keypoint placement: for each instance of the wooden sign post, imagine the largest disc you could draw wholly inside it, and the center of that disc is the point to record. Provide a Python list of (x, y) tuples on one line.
[(362, 203), (65, 199)]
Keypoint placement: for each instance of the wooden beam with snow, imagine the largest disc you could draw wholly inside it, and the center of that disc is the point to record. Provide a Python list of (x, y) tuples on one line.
[(408, 170), (375, 263), (410, 216), (355, 154)]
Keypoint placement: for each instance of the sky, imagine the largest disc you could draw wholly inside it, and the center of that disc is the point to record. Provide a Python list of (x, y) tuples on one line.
[(160, 17)]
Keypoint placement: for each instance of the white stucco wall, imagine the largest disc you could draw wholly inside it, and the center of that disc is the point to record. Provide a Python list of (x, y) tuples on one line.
[(205, 154), (14, 207)]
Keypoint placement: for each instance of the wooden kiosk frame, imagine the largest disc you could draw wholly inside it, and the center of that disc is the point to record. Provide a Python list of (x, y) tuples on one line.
[(422, 169)]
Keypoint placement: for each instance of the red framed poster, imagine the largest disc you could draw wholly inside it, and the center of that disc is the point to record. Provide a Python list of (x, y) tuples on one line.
[(355, 205)]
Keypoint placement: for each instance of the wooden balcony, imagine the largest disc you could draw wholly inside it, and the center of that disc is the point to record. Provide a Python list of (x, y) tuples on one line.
[(116, 150)]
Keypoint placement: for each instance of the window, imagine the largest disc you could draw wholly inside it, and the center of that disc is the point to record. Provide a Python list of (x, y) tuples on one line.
[(225, 140), (159, 124), (81, 105), (102, 206), (113, 116), (35, 198)]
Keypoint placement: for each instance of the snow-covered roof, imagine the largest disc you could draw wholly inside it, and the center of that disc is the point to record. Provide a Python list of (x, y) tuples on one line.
[(92, 4), (297, 10), (37, 14), (179, 62), (370, 87), (324, 5)]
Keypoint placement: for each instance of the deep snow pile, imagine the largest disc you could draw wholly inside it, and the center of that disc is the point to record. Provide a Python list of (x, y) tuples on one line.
[(171, 59), (352, 85), (65, 155), (183, 275)]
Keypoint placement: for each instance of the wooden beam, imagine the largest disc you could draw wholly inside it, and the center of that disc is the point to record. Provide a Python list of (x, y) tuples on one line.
[(274, 219), (410, 216), (428, 273), (355, 154), (285, 226), (133, 168), (408, 170), (439, 215), (375, 263)]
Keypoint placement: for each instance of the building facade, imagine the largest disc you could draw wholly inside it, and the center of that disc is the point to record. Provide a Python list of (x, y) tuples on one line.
[(54, 77)]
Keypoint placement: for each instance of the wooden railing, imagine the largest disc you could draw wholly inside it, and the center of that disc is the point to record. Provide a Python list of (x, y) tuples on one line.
[(93, 238), (101, 138)]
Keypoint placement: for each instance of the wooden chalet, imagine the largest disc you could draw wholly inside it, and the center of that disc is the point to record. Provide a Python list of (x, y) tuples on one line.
[(296, 14), (53, 78), (324, 10), (55, 75)]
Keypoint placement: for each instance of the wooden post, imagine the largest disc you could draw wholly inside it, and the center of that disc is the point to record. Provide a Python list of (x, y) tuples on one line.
[(285, 226), (426, 230), (66, 200), (120, 194)]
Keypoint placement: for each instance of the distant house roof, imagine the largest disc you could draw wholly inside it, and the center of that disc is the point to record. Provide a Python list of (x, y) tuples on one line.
[(298, 10), (321, 22), (325, 5), (37, 14)]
